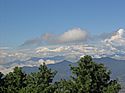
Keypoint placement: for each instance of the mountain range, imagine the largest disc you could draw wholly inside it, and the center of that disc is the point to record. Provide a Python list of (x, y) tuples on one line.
[(63, 69)]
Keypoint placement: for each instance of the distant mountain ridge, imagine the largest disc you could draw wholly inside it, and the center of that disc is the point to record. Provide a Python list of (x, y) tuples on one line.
[(46, 58), (63, 69)]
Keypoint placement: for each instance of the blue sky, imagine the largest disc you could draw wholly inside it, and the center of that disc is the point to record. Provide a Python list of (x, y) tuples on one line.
[(21, 20)]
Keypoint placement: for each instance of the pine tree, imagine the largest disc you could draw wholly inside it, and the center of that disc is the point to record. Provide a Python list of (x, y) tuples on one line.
[(14, 81), (41, 81), (90, 77), (87, 77)]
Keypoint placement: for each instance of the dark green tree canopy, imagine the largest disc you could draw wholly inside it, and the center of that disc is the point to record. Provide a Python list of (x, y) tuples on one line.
[(90, 77), (87, 77)]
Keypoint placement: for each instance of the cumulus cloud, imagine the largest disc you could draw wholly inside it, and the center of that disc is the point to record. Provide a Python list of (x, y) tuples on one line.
[(116, 39), (73, 35), (115, 42), (70, 36)]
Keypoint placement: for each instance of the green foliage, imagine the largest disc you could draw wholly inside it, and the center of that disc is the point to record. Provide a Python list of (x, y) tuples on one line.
[(40, 82), (1, 82), (14, 81), (87, 77)]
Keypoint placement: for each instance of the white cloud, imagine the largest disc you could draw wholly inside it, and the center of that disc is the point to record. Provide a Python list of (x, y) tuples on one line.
[(116, 39), (9, 68), (42, 49), (73, 35), (57, 49), (112, 45)]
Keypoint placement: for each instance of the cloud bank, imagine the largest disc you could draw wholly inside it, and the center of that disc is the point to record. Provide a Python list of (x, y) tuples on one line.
[(70, 36), (108, 45)]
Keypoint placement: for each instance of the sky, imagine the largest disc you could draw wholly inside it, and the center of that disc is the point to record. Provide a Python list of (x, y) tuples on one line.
[(22, 20)]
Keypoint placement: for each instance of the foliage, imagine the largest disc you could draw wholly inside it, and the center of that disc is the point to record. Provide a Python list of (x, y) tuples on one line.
[(14, 81), (87, 77)]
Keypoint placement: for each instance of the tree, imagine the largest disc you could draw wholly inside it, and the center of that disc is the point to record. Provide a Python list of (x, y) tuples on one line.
[(1, 82), (89, 77), (1, 79), (14, 81), (41, 81)]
